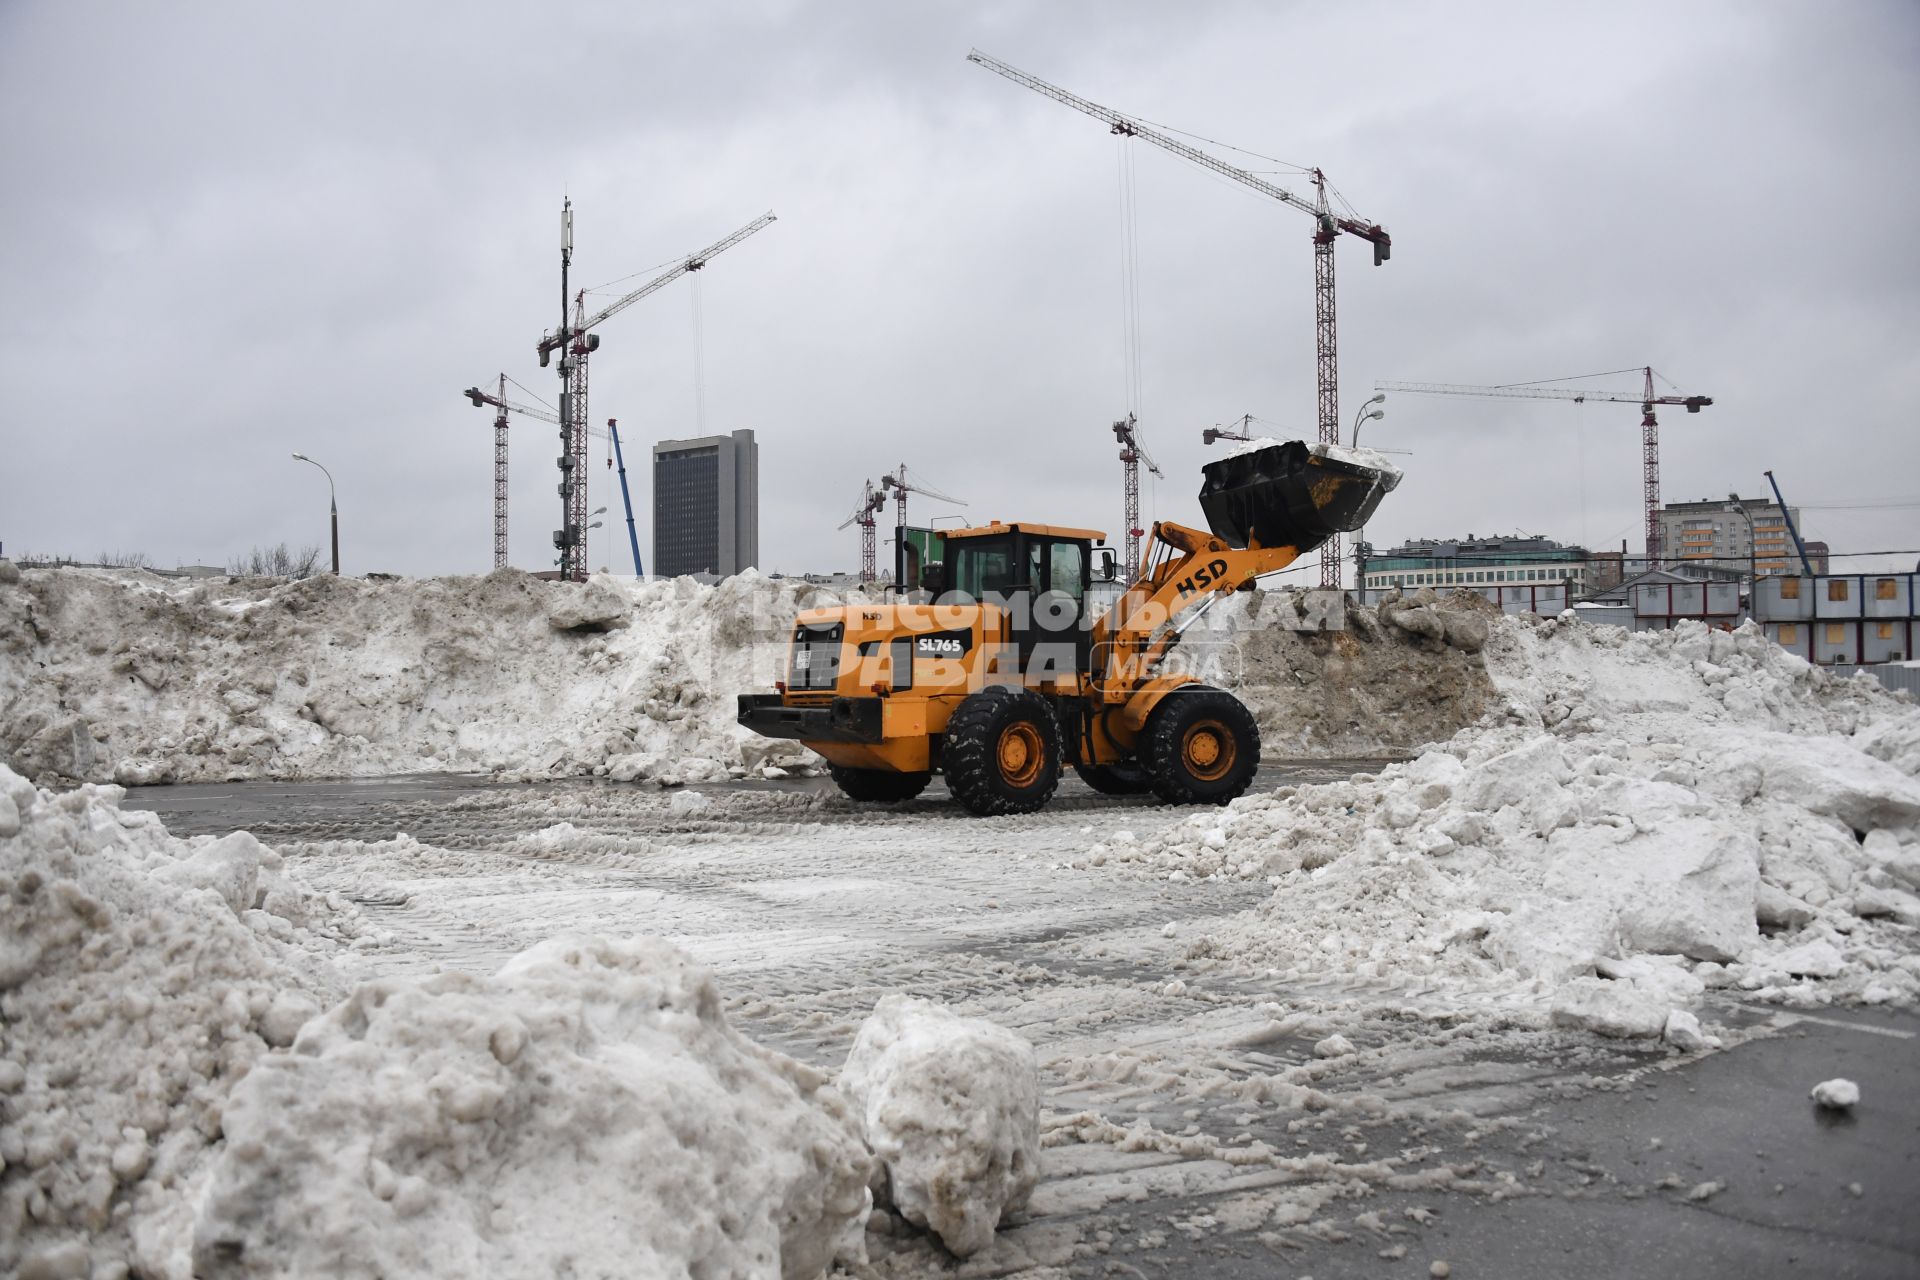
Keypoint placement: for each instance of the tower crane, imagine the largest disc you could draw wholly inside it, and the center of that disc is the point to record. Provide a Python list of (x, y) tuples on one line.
[(902, 484), (1327, 227), (871, 500), (480, 401), (1132, 454), (575, 343), (1649, 425), (502, 407)]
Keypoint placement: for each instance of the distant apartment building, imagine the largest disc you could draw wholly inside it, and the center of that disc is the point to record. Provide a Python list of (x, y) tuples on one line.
[(1520, 574), (706, 505), (1715, 531)]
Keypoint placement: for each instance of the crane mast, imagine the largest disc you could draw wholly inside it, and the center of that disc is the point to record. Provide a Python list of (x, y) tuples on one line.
[(1646, 398), (1132, 454), (575, 343), (871, 500), (503, 407), (1327, 226), (500, 479)]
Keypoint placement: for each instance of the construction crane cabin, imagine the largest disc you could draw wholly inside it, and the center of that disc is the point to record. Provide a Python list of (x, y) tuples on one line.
[(575, 343), (1327, 227)]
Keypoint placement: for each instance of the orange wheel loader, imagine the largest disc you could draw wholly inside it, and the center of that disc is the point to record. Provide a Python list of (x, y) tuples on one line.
[(1004, 674)]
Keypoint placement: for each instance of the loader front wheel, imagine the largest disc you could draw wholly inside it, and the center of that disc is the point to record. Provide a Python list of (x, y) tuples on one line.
[(1201, 746), (878, 786), (1002, 752)]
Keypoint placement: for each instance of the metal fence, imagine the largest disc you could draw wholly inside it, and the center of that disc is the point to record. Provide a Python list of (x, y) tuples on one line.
[(1896, 675)]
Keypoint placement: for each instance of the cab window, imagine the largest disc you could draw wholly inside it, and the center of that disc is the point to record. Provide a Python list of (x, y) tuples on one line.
[(981, 566), (1067, 568)]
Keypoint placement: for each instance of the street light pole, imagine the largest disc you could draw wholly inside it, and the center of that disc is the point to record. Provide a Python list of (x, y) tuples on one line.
[(1753, 573), (1366, 412), (1363, 415), (333, 509)]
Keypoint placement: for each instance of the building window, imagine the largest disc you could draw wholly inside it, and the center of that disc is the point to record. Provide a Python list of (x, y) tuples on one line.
[(1883, 588), (1836, 633), (1836, 588), (1789, 634), (1789, 588), (1883, 631)]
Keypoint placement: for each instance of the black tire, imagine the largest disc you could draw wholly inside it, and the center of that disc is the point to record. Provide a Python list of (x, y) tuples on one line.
[(878, 786), (1002, 753), (1127, 778), (1201, 746)]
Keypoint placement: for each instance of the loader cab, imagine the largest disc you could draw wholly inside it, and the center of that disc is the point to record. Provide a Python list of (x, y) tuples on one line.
[(1040, 575)]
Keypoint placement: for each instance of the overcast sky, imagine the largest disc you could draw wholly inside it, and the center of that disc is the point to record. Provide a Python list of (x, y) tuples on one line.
[(233, 231)]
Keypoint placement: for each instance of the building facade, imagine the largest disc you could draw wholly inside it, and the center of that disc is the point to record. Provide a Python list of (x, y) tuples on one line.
[(1518, 573), (1715, 531), (706, 505), (1842, 618)]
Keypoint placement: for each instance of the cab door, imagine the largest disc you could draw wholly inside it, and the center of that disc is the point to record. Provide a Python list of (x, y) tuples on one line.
[(1048, 609)]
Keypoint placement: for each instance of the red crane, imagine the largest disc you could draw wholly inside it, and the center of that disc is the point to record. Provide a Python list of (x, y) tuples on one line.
[(1132, 454), (1649, 425), (574, 343), (871, 500), (1327, 227)]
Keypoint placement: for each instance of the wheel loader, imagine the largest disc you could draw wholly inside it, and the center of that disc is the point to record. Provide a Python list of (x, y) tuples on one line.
[(1005, 673)]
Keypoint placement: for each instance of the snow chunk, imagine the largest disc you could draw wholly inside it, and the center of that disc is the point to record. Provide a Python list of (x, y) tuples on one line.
[(1334, 1046), (586, 1110), (1683, 1032), (952, 1110), (1837, 1094), (1815, 959), (1608, 1009), (686, 804), (230, 866), (585, 606), (1829, 776)]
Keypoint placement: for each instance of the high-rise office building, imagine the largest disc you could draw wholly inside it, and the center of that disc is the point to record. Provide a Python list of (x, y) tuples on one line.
[(706, 505)]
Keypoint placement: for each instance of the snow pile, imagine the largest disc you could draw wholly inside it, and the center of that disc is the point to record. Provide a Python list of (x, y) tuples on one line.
[(141, 976), (1392, 679), (131, 678), (585, 1111), (1389, 473), (1654, 814), (951, 1108)]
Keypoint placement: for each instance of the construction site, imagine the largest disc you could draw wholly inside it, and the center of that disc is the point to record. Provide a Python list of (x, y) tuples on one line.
[(1114, 840)]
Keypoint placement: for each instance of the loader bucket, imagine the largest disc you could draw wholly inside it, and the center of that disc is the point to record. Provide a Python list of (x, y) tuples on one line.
[(1293, 494)]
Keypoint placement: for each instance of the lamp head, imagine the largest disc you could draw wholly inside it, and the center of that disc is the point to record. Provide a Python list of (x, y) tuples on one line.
[(301, 457), (1379, 397)]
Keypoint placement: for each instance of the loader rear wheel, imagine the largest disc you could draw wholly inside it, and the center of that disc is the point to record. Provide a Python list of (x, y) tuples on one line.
[(1201, 746), (1002, 752), (878, 785), (1125, 779)]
